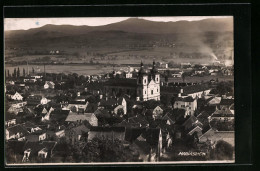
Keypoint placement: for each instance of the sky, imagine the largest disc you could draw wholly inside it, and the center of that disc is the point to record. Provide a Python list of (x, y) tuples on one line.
[(28, 23)]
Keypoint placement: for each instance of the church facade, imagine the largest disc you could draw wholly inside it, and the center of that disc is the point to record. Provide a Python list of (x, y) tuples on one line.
[(145, 87), (148, 84)]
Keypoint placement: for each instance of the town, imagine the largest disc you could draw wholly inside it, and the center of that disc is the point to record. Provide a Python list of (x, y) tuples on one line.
[(150, 113)]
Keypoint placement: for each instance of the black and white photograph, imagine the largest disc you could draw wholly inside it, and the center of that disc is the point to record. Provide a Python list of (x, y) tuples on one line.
[(119, 90)]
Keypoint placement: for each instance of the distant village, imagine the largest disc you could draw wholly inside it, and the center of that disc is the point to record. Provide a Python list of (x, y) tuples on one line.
[(134, 115)]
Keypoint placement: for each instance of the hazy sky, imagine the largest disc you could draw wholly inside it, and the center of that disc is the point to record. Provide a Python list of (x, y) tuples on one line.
[(27, 23)]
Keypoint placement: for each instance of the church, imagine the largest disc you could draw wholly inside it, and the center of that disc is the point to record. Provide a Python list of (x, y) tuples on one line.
[(145, 87)]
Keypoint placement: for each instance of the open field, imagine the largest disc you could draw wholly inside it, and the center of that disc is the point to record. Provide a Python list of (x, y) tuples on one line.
[(67, 69), (197, 79)]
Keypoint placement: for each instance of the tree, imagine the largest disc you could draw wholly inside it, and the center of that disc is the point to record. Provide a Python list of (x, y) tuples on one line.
[(183, 76), (223, 88), (23, 72), (106, 150), (14, 74), (18, 72), (222, 151)]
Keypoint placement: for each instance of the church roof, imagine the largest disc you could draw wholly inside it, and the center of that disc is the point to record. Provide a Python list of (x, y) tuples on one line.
[(123, 82)]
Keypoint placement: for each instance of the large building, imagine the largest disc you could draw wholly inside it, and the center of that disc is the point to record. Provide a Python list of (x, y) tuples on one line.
[(145, 87)]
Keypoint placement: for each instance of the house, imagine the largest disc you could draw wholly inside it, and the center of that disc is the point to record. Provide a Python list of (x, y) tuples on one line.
[(16, 96), (59, 115), (213, 101), (35, 136), (128, 75), (204, 116), (10, 82), (226, 103), (14, 110), (111, 133), (79, 118), (38, 149), (31, 127), (10, 120), (46, 113), (187, 103), (190, 122), (18, 104), (34, 100), (49, 84), (214, 136), (114, 104), (16, 132), (77, 133), (77, 106), (30, 79), (169, 118), (194, 91), (138, 121), (222, 115), (95, 88), (147, 143), (55, 133)]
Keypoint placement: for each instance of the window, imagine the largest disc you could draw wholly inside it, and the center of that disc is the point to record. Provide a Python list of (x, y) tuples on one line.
[(157, 79), (144, 92), (144, 80), (157, 90), (151, 91)]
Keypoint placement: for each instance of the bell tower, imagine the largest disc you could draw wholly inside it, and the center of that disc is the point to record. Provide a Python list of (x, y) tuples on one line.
[(142, 82)]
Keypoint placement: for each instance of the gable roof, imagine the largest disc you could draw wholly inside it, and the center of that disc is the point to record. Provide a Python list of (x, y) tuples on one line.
[(226, 102), (122, 82), (37, 146), (80, 129), (195, 88), (138, 120), (17, 129), (74, 117), (107, 129), (185, 99)]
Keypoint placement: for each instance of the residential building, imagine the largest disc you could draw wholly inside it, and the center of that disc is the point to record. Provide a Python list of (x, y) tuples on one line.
[(187, 103)]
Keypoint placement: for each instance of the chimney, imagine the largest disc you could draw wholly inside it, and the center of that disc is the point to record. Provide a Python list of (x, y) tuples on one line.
[(181, 90), (106, 98), (100, 96), (179, 95), (137, 98), (78, 93)]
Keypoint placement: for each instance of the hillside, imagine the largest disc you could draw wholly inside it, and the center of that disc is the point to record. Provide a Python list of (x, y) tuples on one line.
[(163, 38)]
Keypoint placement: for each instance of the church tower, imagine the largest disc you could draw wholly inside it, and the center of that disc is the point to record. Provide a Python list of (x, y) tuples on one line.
[(142, 82), (148, 84)]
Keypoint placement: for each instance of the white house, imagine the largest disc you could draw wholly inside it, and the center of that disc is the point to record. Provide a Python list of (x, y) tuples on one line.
[(17, 96), (157, 112), (187, 103), (128, 75)]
